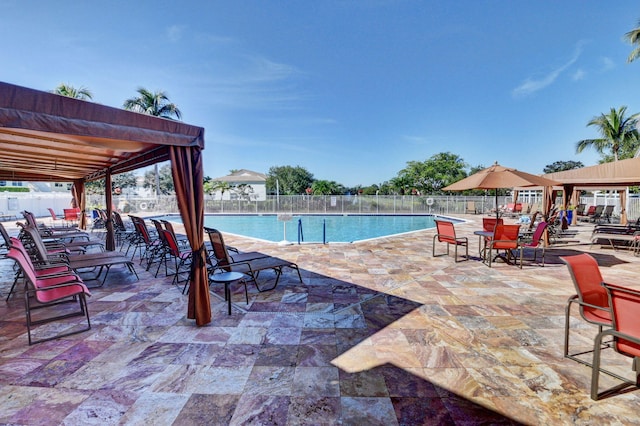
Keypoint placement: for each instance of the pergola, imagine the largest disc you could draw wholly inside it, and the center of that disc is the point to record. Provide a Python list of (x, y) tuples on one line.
[(47, 137), (616, 175)]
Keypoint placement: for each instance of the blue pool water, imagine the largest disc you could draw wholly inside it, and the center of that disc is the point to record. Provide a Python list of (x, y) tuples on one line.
[(348, 228)]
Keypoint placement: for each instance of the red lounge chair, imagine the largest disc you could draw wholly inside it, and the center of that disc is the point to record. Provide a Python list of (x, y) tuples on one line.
[(446, 233), (49, 292), (536, 241)]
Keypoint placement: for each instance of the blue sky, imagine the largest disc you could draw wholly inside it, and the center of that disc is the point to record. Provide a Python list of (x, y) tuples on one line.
[(351, 90)]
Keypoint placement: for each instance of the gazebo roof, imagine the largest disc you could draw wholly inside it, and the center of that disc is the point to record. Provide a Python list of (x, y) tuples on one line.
[(45, 137)]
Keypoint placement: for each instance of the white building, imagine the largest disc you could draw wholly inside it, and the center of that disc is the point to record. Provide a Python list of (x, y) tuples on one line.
[(244, 184)]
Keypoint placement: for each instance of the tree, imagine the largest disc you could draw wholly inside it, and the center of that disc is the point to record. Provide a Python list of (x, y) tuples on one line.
[(69, 91), (121, 180), (619, 134), (244, 191), (156, 104), (326, 187), (633, 37), (289, 180), (165, 179), (213, 186), (561, 166), (430, 176)]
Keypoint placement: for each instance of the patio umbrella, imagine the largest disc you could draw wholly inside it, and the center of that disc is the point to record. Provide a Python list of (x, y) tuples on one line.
[(496, 177)]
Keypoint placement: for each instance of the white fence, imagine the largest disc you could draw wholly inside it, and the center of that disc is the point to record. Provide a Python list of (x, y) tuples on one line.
[(11, 204)]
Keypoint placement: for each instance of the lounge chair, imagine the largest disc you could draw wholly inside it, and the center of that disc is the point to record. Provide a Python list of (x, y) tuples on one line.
[(616, 239), (94, 263), (587, 214), (607, 213), (597, 213), (446, 233), (149, 243), (611, 228), (64, 233), (49, 292), (625, 304), (250, 264), (536, 241), (41, 271), (182, 256)]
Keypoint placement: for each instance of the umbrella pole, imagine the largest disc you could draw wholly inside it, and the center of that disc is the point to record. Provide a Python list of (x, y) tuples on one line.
[(497, 211)]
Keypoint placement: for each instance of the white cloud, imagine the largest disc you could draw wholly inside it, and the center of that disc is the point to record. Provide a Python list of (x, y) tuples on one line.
[(580, 74), (607, 63), (416, 140), (532, 85), (174, 33)]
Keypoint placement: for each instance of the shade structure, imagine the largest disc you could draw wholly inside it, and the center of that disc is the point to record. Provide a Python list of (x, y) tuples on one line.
[(497, 177), (46, 137)]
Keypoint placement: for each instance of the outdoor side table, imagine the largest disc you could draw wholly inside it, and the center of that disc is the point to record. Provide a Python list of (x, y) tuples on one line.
[(482, 238), (228, 278)]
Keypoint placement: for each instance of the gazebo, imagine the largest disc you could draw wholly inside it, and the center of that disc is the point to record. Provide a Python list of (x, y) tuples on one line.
[(46, 137), (617, 174)]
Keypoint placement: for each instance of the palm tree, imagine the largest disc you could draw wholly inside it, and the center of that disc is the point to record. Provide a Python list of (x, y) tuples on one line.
[(156, 104), (619, 133), (633, 37), (67, 90)]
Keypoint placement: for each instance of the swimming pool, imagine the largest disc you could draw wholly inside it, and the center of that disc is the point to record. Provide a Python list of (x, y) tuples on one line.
[(318, 229)]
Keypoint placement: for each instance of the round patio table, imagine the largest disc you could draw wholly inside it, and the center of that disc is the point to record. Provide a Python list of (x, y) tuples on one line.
[(482, 236), (227, 278)]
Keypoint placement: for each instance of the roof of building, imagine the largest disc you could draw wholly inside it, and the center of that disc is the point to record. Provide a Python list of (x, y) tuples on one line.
[(243, 175)]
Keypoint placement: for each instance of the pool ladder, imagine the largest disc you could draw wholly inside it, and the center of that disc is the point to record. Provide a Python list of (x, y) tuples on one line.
[(301, 233)]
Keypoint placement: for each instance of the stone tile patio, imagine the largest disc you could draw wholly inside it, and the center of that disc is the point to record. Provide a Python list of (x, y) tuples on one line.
[(379, 332)]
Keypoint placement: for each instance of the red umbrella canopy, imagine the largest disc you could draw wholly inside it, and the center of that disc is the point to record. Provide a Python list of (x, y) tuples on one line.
[(498, 176)]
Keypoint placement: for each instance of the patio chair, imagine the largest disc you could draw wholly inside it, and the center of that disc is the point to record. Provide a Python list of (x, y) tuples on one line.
[(62, 233), (94, 263), (246, 263), (580, 209), (590, 296), (149, 244), (597, 213), (625, 331), (181, 255), (586, 216), (41, 271), (471, 208), (54, 217), (49, 292), (536, 241), (607, 213), (71, 216), (505, 238), (181, 239), (446, 233), (123, 233)]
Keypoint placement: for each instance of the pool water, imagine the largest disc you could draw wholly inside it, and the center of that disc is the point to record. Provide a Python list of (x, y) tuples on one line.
[(319, 229)]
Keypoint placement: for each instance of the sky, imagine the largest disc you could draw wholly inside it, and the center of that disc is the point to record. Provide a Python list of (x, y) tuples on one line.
[(351, 90)]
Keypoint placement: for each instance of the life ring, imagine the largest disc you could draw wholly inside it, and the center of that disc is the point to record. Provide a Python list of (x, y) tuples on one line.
[(429, 201), (143, 206)]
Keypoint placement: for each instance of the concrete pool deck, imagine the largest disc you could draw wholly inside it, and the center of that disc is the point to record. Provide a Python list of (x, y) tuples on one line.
[(379, 333)]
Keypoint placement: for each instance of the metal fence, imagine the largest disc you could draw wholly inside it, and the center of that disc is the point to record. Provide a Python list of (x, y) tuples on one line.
[(348, 204)]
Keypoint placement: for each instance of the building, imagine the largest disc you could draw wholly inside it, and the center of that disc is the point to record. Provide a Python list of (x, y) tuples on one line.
[(243, 184)]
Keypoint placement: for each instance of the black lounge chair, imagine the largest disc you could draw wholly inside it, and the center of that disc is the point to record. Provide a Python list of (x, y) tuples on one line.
[(247, 263)]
